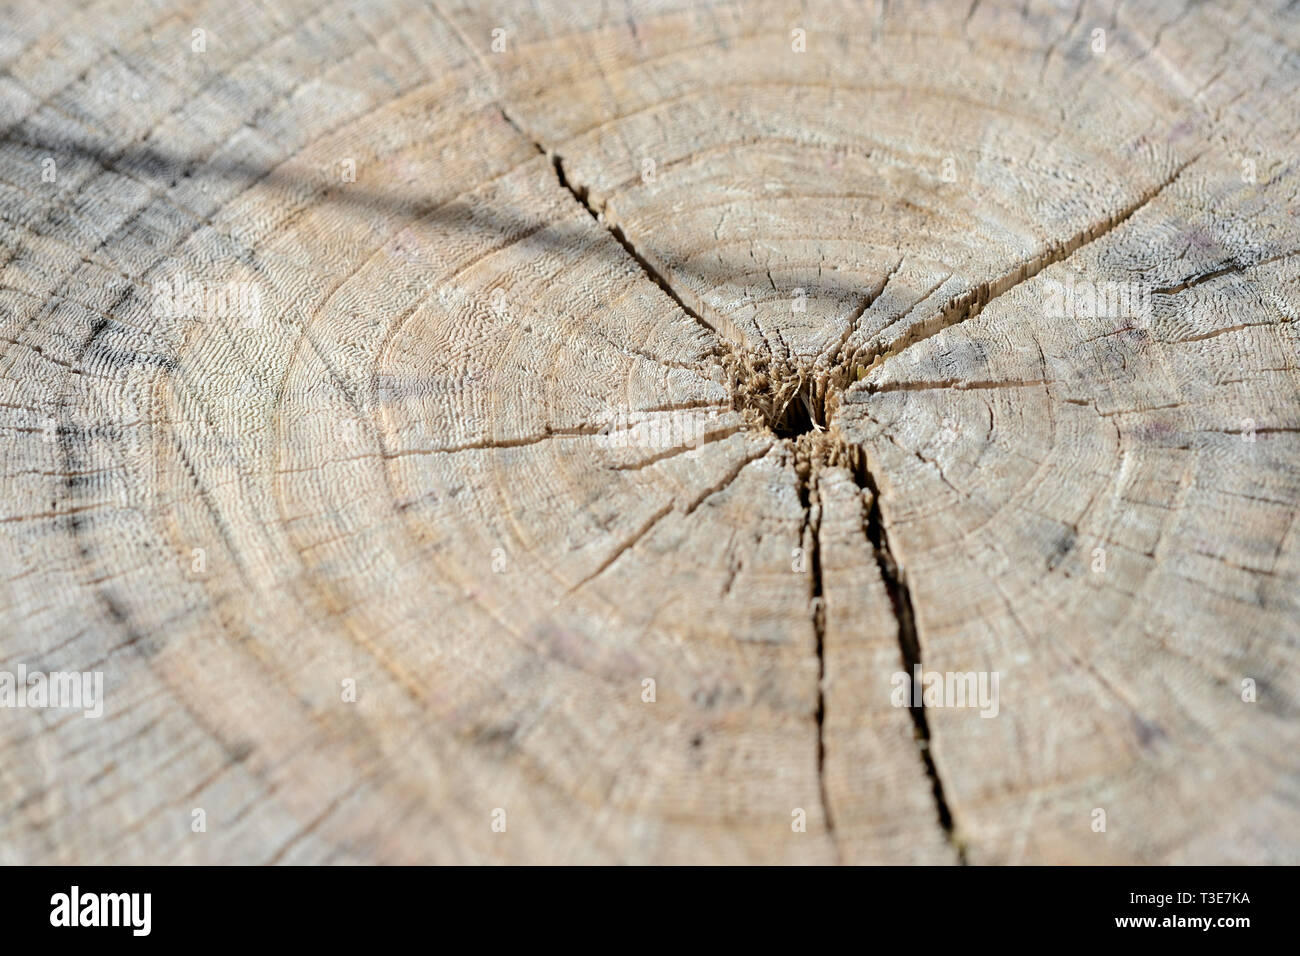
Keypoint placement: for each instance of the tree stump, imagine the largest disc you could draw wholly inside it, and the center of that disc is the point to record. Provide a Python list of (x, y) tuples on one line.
[(564, 432)]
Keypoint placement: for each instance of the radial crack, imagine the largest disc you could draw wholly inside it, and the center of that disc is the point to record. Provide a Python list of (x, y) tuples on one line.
[(900, 597), (1233, 268), (954, 384), (971, 303), (583, 197), (806, 476), (802, 425)]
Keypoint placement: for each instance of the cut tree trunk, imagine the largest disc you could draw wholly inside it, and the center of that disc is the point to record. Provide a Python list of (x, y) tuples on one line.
[(546, 433)]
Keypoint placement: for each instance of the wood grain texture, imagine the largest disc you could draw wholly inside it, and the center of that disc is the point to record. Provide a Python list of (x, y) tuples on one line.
[(538, 351)]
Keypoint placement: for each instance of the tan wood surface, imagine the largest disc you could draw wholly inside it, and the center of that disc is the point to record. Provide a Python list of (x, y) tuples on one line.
[(542, 350)]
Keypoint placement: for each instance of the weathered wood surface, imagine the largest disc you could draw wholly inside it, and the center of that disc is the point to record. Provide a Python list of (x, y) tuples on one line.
[(648, 346)]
